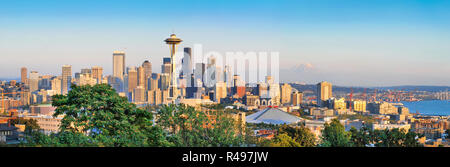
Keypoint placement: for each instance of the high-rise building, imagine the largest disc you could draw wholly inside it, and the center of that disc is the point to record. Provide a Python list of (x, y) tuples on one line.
[(86, 79), (56, 85), (187, 64), (147, 72), (199, 72), (34, 81), (220, 91), (97, 73), (227, 75), (164, 81), (23, 75), (66, 78), (359, 105), (166, 66), (262, 90), (141, 76), (238, 86), (139, 94), (132, 79), (297, 98), (286, 93), (154, 82), (118, 64), (324, 92)]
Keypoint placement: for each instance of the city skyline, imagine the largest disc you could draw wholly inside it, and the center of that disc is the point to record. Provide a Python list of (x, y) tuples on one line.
[(371, 44)]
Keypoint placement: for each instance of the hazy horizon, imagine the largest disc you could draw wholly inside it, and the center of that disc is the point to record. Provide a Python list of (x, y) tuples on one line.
[(348, 43)]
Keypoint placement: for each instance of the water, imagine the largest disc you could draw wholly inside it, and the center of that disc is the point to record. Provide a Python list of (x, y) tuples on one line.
[(429, 107)]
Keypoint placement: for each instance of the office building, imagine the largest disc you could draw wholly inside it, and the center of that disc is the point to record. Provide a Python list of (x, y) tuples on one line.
[(286, 91), (66, 78), (97, 73), (147, 72), (141, 76), (34, 81), (297, 98), (23, 75), (132, 78), (324, 92), (220, 91), (139, 94), (118, 64)]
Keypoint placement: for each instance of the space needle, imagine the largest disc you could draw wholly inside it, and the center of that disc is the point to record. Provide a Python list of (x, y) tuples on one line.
[(173, 41)]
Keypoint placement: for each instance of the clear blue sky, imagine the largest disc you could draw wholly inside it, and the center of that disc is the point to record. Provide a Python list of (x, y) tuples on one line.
[(357, 43)]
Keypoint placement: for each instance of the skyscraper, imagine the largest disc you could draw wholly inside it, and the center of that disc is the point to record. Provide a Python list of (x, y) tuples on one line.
[(23, 75), (147, 72), (297, 98), (238, 86), (139, 94), (324, 92), (34, 81), (166, 66), (286, 91), (97, 73), (147, 69), (56, 85), (132, 78), (187, 64), (118, 64), (66, 78), (199, 72), (154, 82), (141, 76), (220, 91)]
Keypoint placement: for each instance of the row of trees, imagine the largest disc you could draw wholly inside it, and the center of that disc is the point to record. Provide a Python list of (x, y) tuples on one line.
[(334, 135)]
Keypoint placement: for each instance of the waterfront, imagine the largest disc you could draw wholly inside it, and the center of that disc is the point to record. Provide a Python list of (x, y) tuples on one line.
[(429, 107)]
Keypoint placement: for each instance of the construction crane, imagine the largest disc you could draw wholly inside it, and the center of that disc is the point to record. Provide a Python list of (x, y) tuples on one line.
[(365, 94), (374, 95), (350, 99)]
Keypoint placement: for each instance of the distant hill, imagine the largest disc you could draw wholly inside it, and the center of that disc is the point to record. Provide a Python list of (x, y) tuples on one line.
[(418, 88), (308, 87)]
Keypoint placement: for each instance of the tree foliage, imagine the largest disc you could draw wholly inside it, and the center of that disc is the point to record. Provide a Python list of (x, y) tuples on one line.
[(384, 138), (97, 115), (191, 128), (284, 140), (302, 135), (30, 124), (334, 135)]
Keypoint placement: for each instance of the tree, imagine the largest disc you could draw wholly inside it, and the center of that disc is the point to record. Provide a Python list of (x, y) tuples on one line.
[(395, 138), (360, 138), (97, 115), (334, 135), (448, 133), (384, 138), (30, 124), (284, 140), (191, 128), (302, 135)]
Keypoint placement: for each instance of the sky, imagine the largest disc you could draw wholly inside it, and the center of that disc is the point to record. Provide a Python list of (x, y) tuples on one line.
[(346, 42)]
